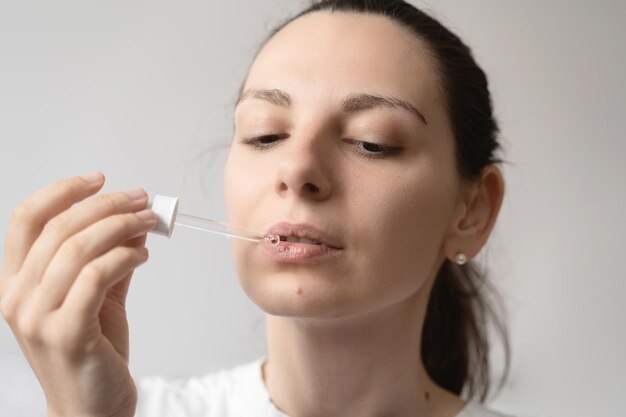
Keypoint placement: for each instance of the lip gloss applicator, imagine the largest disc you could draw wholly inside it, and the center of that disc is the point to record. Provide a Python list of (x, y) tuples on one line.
[(166, 210)]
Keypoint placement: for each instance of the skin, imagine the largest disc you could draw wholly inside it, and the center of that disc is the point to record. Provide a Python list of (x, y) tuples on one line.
[(348, 330), (67, 267)]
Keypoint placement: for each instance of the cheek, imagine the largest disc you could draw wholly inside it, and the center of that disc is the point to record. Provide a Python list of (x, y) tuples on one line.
[(244, 190), (241, 188), (402, 238)]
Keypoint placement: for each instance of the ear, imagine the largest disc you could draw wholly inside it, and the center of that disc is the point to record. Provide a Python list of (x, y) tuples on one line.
[(475, 215)]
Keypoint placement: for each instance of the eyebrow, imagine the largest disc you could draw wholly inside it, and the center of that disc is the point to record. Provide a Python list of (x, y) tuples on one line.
[(274, 96), (351, 104)]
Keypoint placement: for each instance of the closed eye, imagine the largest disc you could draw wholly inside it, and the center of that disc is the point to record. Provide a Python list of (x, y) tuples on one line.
[(368, 149), (264, 141), (374, 150)]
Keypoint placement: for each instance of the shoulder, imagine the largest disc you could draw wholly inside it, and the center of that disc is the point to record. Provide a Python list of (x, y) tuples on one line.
[(473, 409), (215, 394)]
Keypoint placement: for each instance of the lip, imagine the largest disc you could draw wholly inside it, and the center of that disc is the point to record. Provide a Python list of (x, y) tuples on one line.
[(292, 252)]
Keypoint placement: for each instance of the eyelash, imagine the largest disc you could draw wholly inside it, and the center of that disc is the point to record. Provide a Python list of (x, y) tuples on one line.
[(383, 150), (257, 141)]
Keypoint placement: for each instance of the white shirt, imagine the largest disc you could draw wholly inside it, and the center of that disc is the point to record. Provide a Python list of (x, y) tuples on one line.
[(238, 392)]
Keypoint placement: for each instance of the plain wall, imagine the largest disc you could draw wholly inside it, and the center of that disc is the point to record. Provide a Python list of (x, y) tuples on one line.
[(144, 91)]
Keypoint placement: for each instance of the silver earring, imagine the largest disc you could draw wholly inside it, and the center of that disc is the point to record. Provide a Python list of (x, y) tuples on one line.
[(460, 258)]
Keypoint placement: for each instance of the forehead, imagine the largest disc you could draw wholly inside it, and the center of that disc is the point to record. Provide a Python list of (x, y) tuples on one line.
[(335, 54)]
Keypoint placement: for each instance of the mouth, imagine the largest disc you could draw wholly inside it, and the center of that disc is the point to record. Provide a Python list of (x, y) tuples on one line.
[(302, 244), (304, 234), (295, 239)]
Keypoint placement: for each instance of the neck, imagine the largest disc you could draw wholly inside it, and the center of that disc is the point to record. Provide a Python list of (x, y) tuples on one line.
[(368, 365)]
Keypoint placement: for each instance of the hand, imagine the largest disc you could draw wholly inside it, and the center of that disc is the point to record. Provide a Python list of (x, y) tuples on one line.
[(63, 285)]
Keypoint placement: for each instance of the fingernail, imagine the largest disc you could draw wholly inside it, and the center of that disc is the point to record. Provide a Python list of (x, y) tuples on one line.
[(136, 194), (146, 215), (93, 177)]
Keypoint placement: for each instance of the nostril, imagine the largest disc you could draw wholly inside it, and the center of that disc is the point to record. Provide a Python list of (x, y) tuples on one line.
[(311, 187)]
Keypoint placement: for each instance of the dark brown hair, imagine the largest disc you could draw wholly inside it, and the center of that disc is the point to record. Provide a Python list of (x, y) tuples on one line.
[(455, 344)]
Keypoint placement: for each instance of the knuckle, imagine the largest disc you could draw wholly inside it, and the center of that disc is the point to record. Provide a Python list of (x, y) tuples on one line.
[(129, 221), (29, 328), (95, 275), (9, 308), (124, 222), (92, 270), (55, 227), (27, 210), (22, 213), (110, 201), (64, 187), (74, 248)]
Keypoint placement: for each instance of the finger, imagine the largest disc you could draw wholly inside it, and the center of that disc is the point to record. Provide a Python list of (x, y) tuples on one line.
[(119, 291), (86, 296), (136, 242), (82, 248), (32, 214), (71, 222)]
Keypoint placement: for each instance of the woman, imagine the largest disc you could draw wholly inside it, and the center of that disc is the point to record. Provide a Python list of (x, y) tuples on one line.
[(365, 138)]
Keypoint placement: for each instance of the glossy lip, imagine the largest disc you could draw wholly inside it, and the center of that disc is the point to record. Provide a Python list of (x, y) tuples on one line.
[(292, 252), (305, 231)]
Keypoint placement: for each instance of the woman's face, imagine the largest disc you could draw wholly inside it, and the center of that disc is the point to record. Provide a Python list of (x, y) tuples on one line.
[(341, 137)]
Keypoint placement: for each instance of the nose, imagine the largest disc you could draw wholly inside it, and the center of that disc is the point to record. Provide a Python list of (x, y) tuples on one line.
[(303, 170)]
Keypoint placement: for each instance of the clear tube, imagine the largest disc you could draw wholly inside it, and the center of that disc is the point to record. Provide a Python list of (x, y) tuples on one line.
[(220, 228)]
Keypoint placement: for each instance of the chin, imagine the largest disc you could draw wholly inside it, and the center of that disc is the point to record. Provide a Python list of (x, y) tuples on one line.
[(295, 295), (322, 291)]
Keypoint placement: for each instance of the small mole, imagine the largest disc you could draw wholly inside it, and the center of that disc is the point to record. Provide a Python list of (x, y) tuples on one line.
[(427, 395), (298, 290)]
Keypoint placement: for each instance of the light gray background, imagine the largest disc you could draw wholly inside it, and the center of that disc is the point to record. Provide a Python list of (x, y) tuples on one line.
[(143, 90)]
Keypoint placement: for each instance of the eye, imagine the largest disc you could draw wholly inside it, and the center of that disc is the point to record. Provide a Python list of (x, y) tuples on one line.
[(374, 150), (264, 141)]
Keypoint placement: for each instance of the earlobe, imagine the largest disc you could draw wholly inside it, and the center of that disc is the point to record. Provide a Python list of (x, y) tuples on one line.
[(472, 227)]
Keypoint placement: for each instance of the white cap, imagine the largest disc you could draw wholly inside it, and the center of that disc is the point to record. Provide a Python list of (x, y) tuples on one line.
[(165, 209)]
